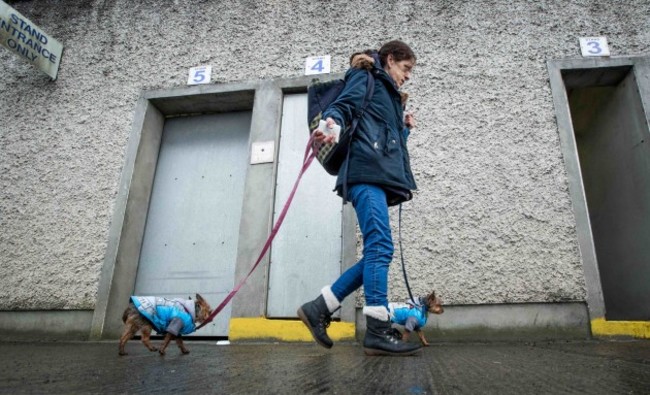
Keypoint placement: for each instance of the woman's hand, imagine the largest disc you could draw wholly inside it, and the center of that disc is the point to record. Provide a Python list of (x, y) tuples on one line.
[(409, 120), (320, 137)]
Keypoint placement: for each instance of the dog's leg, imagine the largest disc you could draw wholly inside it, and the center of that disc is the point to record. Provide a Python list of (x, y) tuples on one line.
[(129, 332), (168, 338), (146, 338), (179, 343), (422, 339)]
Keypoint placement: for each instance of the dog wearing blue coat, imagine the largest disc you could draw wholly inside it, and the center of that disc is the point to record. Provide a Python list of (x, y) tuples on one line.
[(171, 317), (413, 315)]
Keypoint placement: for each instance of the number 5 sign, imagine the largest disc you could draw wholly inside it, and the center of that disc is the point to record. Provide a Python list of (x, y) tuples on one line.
[(199, 75), (594, 46), (317, 65)]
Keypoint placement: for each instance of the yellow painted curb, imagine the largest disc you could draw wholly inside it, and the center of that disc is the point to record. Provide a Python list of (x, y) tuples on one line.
[(260, 328), (602, 327)]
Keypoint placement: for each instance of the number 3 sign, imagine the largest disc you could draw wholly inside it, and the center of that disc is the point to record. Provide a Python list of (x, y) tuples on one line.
[(317, 65), (594, 46)]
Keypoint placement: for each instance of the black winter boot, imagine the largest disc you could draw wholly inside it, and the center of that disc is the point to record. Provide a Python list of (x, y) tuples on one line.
[(317, 317), (379, 340)]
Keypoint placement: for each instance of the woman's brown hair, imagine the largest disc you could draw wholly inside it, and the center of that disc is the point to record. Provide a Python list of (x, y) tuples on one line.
[(399, 50)]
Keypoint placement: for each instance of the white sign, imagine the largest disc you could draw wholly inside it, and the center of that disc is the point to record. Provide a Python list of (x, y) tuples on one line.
[(262, 152), (317, 65), (594, 46), (28, 41), (199, 75)]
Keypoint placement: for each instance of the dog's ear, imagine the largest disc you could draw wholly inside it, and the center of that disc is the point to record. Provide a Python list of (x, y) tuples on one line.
[(199, 298)]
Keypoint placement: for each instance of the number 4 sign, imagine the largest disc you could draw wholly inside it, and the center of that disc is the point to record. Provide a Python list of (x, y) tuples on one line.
[(317, 65), (199, 75), (594, 46)]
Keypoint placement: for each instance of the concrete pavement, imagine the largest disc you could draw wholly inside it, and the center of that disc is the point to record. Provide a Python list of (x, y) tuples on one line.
[(593, 367)]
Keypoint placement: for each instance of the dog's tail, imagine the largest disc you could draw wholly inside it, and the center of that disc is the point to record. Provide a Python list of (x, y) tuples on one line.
[(128, 311)]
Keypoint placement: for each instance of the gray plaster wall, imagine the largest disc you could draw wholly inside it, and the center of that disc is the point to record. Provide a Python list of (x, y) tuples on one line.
[(492, 220)]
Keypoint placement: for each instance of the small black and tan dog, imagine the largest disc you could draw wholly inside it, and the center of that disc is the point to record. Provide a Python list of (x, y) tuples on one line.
[(173, 317), (413, 315)]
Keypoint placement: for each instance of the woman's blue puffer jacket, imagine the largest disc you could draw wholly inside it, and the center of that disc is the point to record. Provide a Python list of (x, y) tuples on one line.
[(378, 152)]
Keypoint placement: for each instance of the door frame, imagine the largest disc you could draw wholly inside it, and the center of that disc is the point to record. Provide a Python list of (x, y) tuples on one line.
[(264, 98), (557, 70)]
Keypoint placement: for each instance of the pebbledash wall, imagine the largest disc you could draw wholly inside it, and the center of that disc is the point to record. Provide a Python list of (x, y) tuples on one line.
[(492, 227)]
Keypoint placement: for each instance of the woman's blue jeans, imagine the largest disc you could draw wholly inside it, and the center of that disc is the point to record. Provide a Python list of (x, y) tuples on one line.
[(371, 271)]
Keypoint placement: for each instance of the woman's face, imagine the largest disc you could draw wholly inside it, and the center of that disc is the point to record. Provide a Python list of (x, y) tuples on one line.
[(400, 71)]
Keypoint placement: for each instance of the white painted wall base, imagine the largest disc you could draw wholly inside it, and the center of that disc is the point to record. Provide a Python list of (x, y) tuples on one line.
[(45, 325)]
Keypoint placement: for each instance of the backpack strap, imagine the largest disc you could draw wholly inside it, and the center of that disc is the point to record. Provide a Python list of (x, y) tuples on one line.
[(370, 90)]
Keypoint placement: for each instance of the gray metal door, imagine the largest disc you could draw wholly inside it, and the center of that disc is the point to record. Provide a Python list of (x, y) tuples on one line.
[(306, 253), (190, 240)]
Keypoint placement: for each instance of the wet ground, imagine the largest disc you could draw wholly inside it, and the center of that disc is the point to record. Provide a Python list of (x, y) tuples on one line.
[(593, 367)]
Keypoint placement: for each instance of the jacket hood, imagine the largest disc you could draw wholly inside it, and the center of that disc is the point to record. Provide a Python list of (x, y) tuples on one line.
[(189, 306)]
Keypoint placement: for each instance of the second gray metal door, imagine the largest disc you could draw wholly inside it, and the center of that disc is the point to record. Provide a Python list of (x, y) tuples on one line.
[(306, 254)]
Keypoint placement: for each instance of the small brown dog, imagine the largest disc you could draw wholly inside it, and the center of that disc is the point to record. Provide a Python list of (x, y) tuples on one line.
[(413, 315), (173, 317)]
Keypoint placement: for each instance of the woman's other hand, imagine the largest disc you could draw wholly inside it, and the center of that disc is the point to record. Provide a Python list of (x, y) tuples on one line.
[(409, 120)]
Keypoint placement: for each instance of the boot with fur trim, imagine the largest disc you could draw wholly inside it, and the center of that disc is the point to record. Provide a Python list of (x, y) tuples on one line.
[(380, 339), (317, 315)]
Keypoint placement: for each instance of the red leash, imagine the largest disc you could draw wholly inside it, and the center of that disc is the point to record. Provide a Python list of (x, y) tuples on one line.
[(306, 161)]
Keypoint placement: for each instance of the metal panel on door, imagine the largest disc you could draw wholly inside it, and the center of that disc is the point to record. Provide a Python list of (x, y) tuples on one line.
[(191, 235), (306, 253)]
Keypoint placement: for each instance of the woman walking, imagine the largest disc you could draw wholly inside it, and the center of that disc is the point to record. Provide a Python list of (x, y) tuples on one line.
[(379, 175)]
